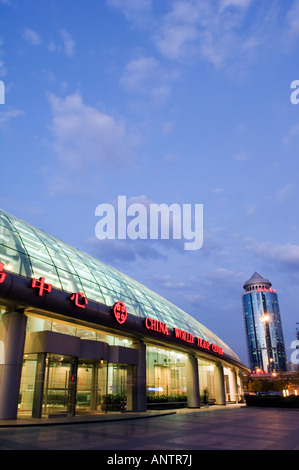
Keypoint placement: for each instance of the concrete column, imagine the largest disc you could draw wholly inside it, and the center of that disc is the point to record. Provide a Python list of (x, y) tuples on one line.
[(193, 396), (140, 389), (39, 385), (94, 387), (72, 388), (131, 387), (234, 386), (219, 384), (12, 341)]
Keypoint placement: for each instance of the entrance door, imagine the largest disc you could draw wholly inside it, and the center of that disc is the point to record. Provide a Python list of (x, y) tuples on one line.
[(91, 386), (116, 399), (60, 384), (64, 384)]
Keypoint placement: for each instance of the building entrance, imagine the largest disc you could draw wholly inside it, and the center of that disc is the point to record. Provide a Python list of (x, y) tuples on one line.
[(53, 384), (91, 386), (117, 392), (60, 384)]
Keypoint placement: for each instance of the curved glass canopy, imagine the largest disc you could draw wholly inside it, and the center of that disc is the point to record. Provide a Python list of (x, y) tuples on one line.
[(30, 252)]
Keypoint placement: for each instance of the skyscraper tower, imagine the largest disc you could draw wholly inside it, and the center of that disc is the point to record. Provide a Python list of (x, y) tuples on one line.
[(264, 334)]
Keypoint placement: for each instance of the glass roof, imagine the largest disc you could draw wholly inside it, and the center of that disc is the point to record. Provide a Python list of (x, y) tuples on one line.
[(30, 252)]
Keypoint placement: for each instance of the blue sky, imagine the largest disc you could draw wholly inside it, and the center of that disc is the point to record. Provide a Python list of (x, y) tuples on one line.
[(161, 101)]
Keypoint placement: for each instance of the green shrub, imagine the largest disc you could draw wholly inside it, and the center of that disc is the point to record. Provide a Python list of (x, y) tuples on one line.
[(153, 398)]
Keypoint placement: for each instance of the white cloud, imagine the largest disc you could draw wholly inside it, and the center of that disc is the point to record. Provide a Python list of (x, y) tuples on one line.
[(67, 46), (178, 31), (32, 37), (214, 31), (68, 43), (146, 75), (84, 135), (217, 190), (235, 3), (293, 20), (3, 69), (223, 32), (287, 254), (285, 193), (138, 73), (223, 275), (195, 299), (7, 115), (138, 12), (292, 135), (116, 252)]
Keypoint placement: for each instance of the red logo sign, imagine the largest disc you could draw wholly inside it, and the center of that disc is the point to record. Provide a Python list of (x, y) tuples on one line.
[(202, 343), (76, 297), (156, 325), (183, 335), (2, 274), (217, 349), (41, 285), (120, 312)]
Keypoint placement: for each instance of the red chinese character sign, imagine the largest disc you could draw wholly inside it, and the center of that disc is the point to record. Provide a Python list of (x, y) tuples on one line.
[(2, 274), (41, 286), (79, 299), (120, 312)]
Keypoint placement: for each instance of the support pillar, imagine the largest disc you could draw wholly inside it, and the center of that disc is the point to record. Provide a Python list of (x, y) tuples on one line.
[(94, 388), (193, 396), (12, 341), (131, 387), (39, 385), (72, 386), (140, 389), (234, 386), (219, 385)]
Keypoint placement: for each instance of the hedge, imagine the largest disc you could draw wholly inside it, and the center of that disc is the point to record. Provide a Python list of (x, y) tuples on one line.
[(152, 398), (291, 401)]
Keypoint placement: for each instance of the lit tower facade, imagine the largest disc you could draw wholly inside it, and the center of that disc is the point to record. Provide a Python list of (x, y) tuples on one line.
[(264, 333)]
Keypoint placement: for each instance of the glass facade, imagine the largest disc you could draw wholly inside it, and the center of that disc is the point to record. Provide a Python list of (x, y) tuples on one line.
[(27, 384), (39, 323), (166, 373), (30, 252), (264, 333), (206, 372), (105, 387), (54, 364)]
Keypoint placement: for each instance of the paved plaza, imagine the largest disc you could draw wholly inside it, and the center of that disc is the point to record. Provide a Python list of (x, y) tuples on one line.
[(216, 428)]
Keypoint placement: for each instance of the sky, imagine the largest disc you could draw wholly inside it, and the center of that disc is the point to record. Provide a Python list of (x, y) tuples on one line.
[(161, 101)]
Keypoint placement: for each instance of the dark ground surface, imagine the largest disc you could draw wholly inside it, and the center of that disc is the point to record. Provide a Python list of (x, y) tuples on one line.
[(232, 427)]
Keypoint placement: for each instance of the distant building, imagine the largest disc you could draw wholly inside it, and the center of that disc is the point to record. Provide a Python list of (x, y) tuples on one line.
[(265, 343)]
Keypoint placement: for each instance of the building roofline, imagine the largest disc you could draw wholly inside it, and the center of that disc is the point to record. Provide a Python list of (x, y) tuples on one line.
[(257, 279)]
